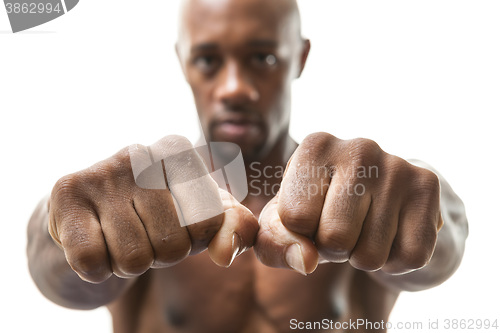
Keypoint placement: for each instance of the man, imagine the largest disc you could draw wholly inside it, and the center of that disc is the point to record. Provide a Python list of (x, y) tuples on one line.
[(356, 238)]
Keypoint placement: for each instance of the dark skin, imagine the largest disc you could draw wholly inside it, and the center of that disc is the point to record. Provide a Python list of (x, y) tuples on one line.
[(100, 240)]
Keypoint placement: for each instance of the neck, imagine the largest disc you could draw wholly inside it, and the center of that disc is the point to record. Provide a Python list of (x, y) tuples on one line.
[(264, 174), (276, 159)]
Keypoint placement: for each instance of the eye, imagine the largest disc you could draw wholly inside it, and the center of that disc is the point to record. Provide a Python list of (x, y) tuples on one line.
[(264, 60), (206, 64)]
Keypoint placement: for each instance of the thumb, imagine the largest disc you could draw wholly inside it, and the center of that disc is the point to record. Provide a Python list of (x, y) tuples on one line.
[(277, 246), (237, 233)]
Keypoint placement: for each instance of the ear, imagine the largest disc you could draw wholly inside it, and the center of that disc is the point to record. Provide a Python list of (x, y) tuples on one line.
[(306, 47)]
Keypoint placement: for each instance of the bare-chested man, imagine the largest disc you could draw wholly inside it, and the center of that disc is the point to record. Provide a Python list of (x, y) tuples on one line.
[(101, 240)]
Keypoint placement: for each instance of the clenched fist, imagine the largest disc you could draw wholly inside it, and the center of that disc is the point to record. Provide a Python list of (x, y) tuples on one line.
[(350, 201), (106, 223)]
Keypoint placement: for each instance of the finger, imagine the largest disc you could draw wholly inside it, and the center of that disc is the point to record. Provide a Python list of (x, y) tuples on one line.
[(277, 246), (304, 187), (377, 235), (346, 205), (169, 240), (195, 192), (128, 245), (78, 230), (237, 234), (419, 222), (415, 241)]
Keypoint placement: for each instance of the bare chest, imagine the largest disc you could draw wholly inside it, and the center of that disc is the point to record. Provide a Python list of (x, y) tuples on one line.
[(198, 296)]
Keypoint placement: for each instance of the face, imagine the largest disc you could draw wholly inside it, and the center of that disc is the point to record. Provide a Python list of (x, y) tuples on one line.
[(240, 57)]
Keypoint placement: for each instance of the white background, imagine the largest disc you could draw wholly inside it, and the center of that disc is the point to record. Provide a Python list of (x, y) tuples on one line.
[(422, 78)]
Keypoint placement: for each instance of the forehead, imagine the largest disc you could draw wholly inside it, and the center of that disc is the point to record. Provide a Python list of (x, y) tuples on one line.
[(234, 22)]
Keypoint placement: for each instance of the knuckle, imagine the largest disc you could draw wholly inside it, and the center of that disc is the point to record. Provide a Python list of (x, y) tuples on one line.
[(429, 182), (177, 142), (416, 249), (297, 220), (241, 211), (264, 235), (171, 250), (123, 156), (335, 239), (416, 260), (106, 177), (424, 181), (412, 257), (208, 209), (67, 186), (111, 172), (268, 244), (201, 233), (396, 173), (367, 261), (135, 260), (210, 224), (397, 165), (365, 146), (314, 145), (182, 162), (69, 196), (248, 225), (111, 177), (90, 264), (318, 139), (268, 235), (364, 151)]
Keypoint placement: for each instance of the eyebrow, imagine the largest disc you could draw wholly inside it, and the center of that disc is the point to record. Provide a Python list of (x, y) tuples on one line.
[(262, 43), (252, 43), (204, 47)]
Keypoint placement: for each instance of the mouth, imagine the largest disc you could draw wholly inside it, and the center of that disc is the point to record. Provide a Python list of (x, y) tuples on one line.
[(236, 128)]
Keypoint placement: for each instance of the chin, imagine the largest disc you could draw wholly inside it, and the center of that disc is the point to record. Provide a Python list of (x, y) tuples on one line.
[(251, 147), (254, 153)]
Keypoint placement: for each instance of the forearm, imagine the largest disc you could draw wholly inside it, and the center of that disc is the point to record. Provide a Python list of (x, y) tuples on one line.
[(55, 278), (449, 249)]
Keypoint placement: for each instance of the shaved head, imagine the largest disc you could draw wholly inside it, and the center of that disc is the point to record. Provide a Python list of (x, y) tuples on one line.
[(284, 11)]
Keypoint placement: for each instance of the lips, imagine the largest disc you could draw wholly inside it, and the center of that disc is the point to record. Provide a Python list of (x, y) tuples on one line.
[(236, 128)]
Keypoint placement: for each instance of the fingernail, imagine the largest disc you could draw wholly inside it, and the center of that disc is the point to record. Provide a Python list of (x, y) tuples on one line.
[(295, 259), (235, 245)]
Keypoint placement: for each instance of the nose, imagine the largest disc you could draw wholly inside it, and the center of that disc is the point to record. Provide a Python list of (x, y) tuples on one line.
[(234, 88)]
